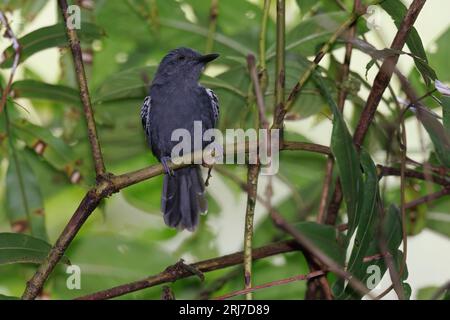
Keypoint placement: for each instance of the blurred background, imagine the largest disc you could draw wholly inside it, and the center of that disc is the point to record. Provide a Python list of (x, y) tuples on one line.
[(126, 239)]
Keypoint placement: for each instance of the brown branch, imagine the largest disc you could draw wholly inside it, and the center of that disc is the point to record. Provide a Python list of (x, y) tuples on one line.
[(171, 274), (385, 74), (84, 92), (84, 210), (16, 46), (389, 171), (428, 198), (300, 277), (306, 146), (380, 84)]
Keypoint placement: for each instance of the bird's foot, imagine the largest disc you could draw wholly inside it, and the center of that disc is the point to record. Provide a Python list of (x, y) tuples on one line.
[(166, 167), (181, 266)]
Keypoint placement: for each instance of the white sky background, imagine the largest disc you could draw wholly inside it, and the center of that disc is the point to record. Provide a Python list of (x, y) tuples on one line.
[(428, 253)]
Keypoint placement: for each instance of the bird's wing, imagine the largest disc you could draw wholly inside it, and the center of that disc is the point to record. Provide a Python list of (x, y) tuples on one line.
[(145, 117), (214, 104)]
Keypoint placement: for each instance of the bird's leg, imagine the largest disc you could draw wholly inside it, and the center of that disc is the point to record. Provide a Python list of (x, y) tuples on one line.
[(166, 167), (181, 266)]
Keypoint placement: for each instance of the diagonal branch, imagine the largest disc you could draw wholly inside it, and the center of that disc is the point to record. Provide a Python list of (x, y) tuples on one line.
[(300, 277), (84, 92)]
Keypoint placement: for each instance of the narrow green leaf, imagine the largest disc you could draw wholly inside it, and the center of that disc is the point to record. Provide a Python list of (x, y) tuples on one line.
[(48, 37), (22, 248), (368, 220), (33, 89), (347, 160), (24, 203), (324, 237), (391, 230)]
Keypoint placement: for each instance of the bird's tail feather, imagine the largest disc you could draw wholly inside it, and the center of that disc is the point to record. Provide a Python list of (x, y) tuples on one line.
[(183, 198)]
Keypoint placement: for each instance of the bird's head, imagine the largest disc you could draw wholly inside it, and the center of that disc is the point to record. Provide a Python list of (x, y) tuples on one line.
[(183, 64)]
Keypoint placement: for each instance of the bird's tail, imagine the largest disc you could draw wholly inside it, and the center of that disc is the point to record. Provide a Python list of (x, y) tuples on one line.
[(183, 198)]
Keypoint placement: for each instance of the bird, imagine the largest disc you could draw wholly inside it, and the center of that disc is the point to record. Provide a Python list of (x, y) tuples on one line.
[(175, 101)]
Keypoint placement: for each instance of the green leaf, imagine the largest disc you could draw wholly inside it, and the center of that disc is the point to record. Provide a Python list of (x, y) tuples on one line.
[(33, 89), (368, 220), (391, 230), (347, 160), (397, 10), (24, 203), (22, 248), (58, 154), (48, 37), (324, 237), (3, 297)]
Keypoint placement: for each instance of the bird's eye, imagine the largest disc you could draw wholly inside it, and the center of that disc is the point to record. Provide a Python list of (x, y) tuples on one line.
[(181, 58)]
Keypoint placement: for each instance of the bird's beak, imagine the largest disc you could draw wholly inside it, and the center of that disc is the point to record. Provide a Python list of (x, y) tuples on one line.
[(207, 58)]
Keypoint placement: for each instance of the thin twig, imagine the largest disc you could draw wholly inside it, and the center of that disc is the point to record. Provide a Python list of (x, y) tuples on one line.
[(428, 198), (272, 284), (84, 92)]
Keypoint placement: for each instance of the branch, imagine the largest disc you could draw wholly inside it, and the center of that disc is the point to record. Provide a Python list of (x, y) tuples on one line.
[(300, 277), (171, 275), (388, 171), (16, 46), (84, 92), (428, 198)]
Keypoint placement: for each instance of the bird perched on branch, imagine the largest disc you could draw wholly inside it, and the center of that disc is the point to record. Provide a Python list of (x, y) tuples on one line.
[(175, 101)]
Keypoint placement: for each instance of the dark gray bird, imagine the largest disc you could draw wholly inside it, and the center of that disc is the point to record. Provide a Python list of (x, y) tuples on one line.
[(175, 101)]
